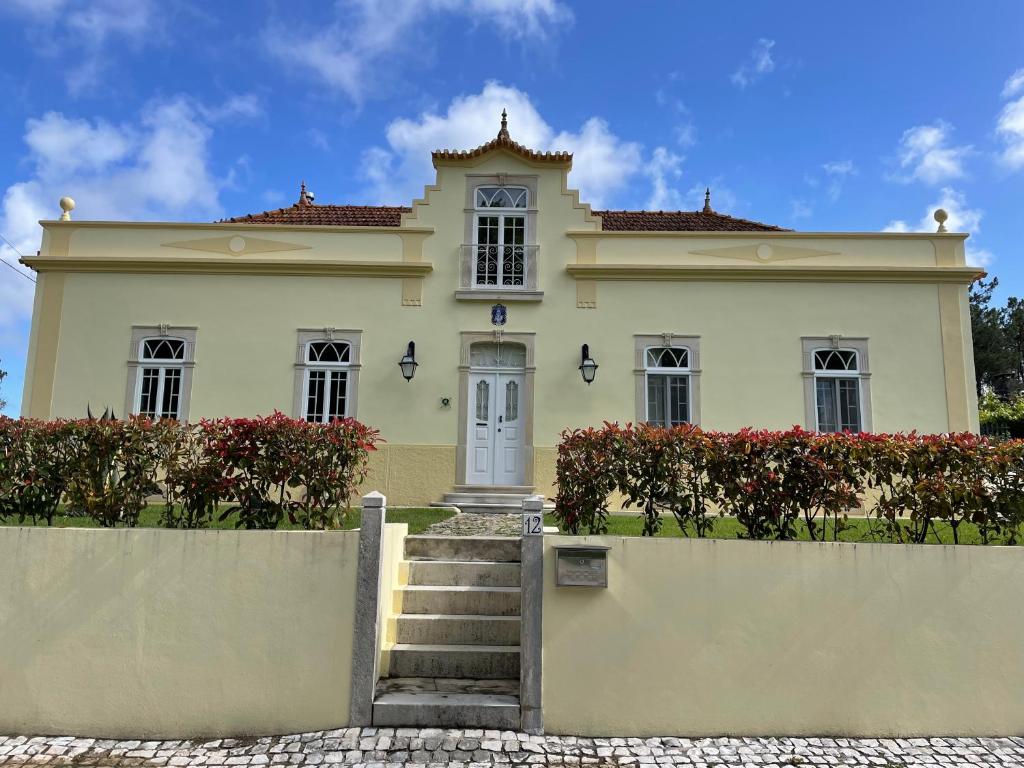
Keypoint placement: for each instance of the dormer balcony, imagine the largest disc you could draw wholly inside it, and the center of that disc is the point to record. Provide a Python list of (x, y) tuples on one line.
[(498, 272)]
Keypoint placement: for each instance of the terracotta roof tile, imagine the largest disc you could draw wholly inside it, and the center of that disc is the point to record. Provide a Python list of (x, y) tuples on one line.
[(678, 221), (328, 215)]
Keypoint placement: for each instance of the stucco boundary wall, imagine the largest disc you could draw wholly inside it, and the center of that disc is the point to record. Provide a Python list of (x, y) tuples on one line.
[(712, 637), (153, 633)]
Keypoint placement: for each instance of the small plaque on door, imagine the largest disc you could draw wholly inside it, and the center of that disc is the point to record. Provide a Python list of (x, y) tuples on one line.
[(581, 566)]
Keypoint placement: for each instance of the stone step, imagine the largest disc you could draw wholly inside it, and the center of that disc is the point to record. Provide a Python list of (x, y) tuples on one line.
[(447, 710), (505, 549), (476, 601), (441, 629), (484, 497), (480, 662), (463, 573)]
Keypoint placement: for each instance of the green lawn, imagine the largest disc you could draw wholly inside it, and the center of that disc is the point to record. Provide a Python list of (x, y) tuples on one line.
[(860, 530), (418, 519)]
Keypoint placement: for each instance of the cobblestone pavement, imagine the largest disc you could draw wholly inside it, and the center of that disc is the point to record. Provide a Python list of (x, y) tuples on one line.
[(433, 748), (466, 524)]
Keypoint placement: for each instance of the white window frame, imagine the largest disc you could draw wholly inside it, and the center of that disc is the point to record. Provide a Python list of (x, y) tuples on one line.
[(862, 375), (138, 364), (645, 342), (502, 213), (469, 289), (304, 367), (666, 372)]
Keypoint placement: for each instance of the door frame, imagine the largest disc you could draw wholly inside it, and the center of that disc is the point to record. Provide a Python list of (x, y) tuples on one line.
[(467, 339)]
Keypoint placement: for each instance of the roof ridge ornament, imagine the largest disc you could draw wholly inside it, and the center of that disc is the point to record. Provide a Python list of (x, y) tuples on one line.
[(707, 201), (305, 196), (941, 217), (503, 133)]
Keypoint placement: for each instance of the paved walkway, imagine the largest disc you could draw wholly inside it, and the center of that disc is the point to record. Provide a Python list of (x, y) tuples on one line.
[(434, 748)]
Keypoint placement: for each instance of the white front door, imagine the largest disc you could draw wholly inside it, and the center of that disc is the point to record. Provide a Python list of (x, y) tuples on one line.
[(495, 444)]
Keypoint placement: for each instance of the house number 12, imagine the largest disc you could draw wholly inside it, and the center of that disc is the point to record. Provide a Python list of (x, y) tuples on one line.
[(533, 524)]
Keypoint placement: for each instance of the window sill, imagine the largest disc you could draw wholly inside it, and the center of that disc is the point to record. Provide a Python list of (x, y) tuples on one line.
[(498, 294)]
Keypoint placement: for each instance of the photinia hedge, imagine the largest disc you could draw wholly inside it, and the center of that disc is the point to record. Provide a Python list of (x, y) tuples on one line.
[(267, 469), (771, 481)]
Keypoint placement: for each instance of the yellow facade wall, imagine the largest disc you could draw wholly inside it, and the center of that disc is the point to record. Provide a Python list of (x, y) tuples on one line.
[(697, 637), (160, 634), (919, 345)]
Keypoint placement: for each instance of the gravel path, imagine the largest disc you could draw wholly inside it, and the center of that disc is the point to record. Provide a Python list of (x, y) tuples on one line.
[(465, 524)]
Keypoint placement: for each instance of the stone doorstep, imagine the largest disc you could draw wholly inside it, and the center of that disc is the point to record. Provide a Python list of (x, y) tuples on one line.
[(439, 701), (472, 710)]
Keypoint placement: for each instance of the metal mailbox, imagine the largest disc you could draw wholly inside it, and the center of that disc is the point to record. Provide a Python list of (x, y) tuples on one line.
[(581, 566)]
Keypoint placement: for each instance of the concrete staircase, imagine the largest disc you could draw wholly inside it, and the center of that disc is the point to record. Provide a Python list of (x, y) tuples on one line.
[(455, 658), (481, 501)]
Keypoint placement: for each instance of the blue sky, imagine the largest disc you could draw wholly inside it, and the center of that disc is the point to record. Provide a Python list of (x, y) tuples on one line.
[(811, 115)]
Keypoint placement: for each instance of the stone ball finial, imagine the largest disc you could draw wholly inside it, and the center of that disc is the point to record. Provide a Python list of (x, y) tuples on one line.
[(941, 217), (67, 205)]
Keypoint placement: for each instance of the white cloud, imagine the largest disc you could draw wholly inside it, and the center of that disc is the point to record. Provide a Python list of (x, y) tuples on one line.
[(81, 31), (961, 219), (1014, 84), (155, 168), (603, 163), (837, 172), (1010, 125), (366, 37), (800, 209), (924, 154), (664, 168), (759, 64)]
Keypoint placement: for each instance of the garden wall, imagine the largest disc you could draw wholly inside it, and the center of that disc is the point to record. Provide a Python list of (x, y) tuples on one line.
[(708, 637), (166, 633)]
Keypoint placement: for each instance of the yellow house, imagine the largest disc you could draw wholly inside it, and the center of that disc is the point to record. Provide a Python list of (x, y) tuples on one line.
[(525, 313)]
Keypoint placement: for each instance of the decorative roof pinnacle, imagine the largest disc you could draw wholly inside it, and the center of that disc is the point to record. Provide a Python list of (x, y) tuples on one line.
[(707, 201), (503, 133)]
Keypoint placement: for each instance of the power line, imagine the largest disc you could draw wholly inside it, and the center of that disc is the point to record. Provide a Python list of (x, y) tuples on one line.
[(11, 266)]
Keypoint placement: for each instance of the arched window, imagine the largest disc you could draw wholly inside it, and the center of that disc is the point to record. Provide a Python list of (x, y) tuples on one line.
[(162, 370), (667, 373), (837, 378), (326, 381), (500, 229)]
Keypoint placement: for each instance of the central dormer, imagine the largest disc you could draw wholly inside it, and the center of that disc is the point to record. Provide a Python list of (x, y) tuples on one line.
[(500, 250)]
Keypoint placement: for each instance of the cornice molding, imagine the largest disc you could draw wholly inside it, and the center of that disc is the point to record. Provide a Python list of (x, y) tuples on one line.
[(235, 266), (229, 227), (729, 272)]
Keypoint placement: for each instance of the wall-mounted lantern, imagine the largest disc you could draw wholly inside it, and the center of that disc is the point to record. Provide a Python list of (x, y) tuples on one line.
[(588, 367), (408, 362)]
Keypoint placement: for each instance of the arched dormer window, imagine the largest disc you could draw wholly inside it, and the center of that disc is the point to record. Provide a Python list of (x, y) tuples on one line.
[(500, 244)]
